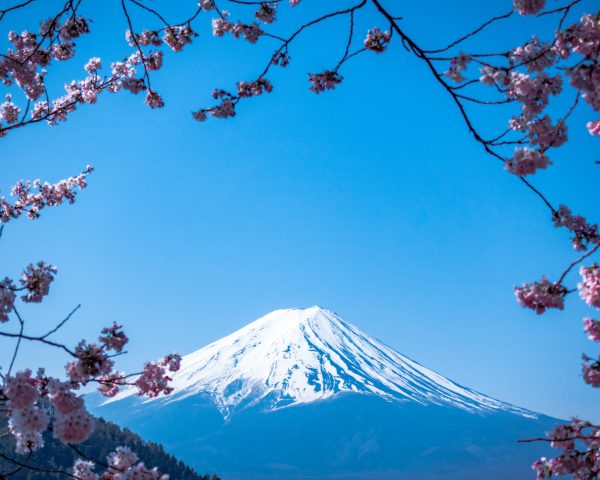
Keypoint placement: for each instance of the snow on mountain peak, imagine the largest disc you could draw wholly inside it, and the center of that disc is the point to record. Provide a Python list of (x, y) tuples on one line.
[(296, 356)]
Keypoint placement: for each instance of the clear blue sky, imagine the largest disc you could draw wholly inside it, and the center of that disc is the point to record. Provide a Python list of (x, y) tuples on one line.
[(371, 200)]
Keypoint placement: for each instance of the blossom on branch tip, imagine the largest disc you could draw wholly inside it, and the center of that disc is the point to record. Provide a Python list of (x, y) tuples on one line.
[(528, 7), (153, 381), (592, 328), (324, 81), (266, 12), (540, 296), (172, 362), (594, 128), (591, 371), (7, 298), (251, 89), (92, 362), (584, 233), (589, 287), (74, 427), (83, 470), (37, 279), (9, 112), (154, 100), (376, 40), (526, 162), (113, 338), (110, 384)]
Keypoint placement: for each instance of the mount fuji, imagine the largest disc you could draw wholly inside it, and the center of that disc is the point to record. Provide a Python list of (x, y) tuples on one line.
[(300, 394)]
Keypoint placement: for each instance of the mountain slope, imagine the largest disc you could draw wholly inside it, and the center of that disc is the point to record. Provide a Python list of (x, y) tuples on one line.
[(297, 356), (301, 394)]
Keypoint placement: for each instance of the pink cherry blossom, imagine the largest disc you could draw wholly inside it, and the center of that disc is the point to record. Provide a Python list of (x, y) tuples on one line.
[(153, 381), (324, 81), (154, 100), (266, 12), (540, 296), (29, 419), (20, 390), (121, 459), (111, 383), (7, 298), (591, 371), (9, 112), (91, 362), (528, 7), (594, 128), (62, 398), (584, 233), (84, 470), (74, 427), (526, 161), (37, 279), (589, 287), (592, 328), (27, 442), (257, 87), (376, 40), (113, 338), (172, 362), (93, 65)]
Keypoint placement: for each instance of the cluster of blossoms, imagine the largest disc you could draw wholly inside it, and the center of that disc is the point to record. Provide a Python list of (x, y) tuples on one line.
[(31, 197), (35, 282), (376, 40), (122, 464), (528, 7), (324, 81), (526, 161), (154, 379), (542, 295), (592, 328), (589, 288), (251, 32), (266, 12), (458, 65), (36, 279), (251, 89), (584, 233), (579, 443)]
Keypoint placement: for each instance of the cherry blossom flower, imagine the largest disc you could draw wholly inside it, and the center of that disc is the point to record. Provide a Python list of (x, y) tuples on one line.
[(594, 128), (62, 398), (29, 419), (74, 427), (83, 470), (592, 328), (540, 296), (7, 298), (9, 112), (27, 442), (534, 55), (584, 233), (140, 472), (20, 390), (257, 87), (266, 12), (324, 81), (37, 279), (121, 459), (376, 40), (154, 100), (93, 65), (172, 362), (153, 381), (91, 362), (528, 7), (32, 197), (110, 384), (113, 338), (589, 287), (591, 371), (526, 161)]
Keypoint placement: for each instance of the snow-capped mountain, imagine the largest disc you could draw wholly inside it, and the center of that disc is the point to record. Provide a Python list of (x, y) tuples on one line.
[(297, 356), (301, 394)]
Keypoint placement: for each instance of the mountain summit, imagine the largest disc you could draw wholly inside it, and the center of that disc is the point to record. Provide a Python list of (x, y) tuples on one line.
[(297, 356), (299, 394)]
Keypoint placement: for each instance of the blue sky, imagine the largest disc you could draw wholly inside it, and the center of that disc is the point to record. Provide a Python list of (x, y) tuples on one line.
[(372, 201)]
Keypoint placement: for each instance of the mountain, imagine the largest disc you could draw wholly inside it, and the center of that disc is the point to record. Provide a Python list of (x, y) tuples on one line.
[(56, 456), (299, 393)]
